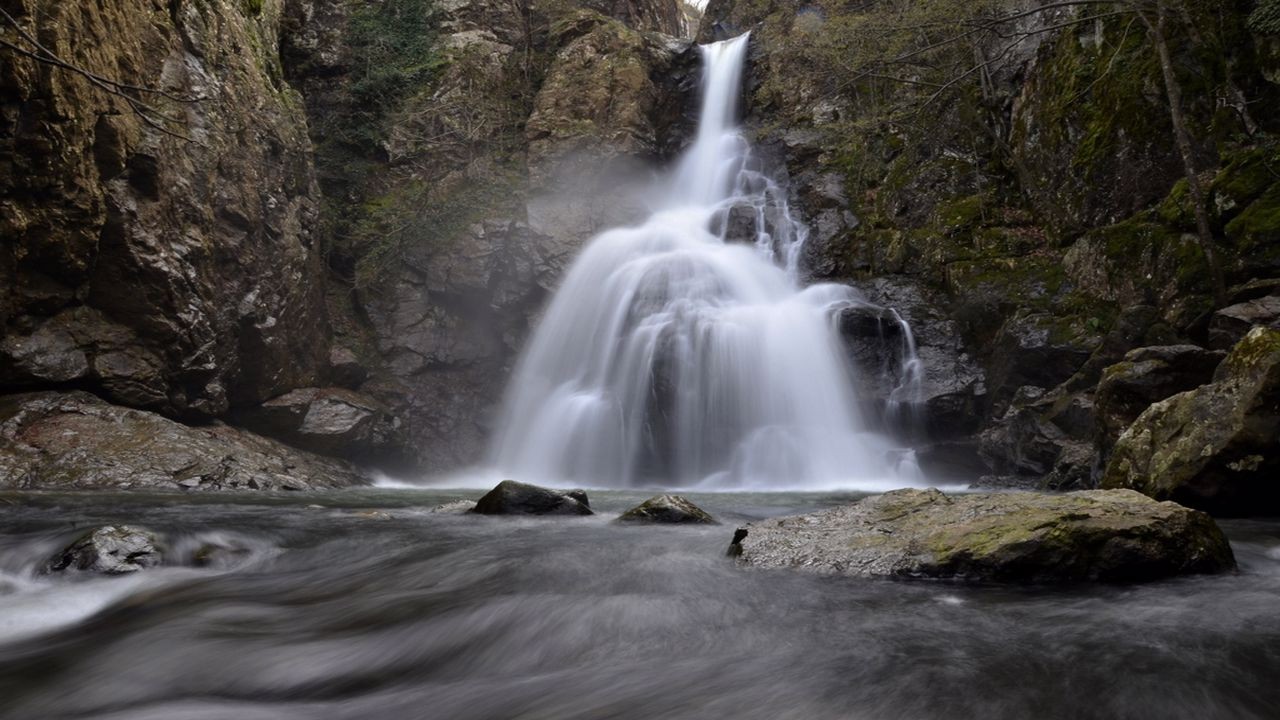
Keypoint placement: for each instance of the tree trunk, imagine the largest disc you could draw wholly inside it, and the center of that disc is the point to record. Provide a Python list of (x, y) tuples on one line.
[(1182, 136)]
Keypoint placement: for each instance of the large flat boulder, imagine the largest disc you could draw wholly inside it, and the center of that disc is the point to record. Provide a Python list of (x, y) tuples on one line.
[(1214, 447), (75, 440), (1111, 536)]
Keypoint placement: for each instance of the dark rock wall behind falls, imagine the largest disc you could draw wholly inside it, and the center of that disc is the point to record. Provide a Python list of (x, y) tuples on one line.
[(1039, 207), (180, 274), (351, 212), (314, 218)]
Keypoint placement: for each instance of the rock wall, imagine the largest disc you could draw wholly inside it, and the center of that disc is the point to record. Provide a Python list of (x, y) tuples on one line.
[(1028, 189), (313, 218), (160, 244), (457, 204)]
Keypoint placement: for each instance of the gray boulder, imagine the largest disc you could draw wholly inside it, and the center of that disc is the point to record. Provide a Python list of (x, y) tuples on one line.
[(110, 550), (1110, 536), (667, 509), (513, 498)]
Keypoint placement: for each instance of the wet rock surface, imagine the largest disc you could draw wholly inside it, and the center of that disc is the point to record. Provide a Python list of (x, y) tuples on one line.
[(1110, 536), (165, 258), (1230, 324), (667, 509), (1214, 447), (1147, 376), (78, 441), (110, 550), (332, 421), (514, 498)]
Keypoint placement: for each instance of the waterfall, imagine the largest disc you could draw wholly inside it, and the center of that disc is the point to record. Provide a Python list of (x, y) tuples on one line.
[(686, 352)]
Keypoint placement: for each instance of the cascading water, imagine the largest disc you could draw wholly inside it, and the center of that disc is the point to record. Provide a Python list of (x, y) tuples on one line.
[(685, 351)]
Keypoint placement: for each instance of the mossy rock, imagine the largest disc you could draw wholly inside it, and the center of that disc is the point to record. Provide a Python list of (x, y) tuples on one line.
[(1255, 233), (1110, 536), (667, 509), (1214, 447)]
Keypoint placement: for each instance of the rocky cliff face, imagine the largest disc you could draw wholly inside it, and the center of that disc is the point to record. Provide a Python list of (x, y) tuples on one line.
[(456, 203), (1030, 186), (314, 218), (160, 244), (334, 222)]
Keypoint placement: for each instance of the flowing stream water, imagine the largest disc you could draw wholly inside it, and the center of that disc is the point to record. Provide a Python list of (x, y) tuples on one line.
[(677, 351), (686, 352), (334, 613)]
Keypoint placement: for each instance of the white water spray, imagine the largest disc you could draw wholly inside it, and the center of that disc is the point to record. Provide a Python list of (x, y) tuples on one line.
[(684, 352)]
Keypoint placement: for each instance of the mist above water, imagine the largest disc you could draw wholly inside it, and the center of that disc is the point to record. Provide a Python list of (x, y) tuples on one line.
[(686, 352)]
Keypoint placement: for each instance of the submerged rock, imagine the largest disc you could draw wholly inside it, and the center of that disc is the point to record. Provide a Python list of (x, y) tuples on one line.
[(110, 550), (1112, 536), (513, 498), (667, 509), (1214, 447)]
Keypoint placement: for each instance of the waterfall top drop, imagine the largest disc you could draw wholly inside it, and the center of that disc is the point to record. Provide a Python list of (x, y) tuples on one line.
[(684, 352)]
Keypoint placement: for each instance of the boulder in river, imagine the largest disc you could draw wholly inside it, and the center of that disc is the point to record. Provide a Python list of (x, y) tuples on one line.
[(514, 498), (110, 550), (1101, 535), (669, 509), (1214, 447)]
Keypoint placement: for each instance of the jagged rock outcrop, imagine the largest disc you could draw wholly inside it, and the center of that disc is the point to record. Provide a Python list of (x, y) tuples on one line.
[(952, 386), (1216, 447), (1110, 536), (73, 441), (159, 248)]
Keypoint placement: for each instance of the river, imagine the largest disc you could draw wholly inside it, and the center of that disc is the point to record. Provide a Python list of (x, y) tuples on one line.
[(364, 604)]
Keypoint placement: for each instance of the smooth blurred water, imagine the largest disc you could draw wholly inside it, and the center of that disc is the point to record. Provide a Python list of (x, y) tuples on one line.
[(339, 613), (674, 353)]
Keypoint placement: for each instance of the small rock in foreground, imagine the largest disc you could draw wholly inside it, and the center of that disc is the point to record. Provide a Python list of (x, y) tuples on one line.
[(1102, 535), (110, 550), (513, 498), (667, 509)]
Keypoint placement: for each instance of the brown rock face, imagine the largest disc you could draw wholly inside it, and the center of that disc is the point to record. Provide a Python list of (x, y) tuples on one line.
[(487, 176), (169, 265)]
